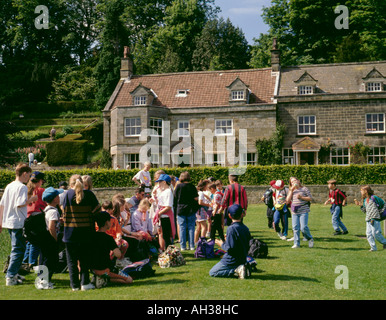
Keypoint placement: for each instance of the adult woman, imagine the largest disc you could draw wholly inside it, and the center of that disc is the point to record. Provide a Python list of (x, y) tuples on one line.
[(300, 207), (186, 206), (164, 212), (79, 228)]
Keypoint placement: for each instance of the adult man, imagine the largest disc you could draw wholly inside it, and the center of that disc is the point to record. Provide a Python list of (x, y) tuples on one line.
[(233, 194), (133, 202)]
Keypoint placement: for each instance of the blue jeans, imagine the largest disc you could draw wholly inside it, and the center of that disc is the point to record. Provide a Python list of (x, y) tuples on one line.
[(17, 252), (282, 216), (31, 254), (374, 232), (222, 270), (337, 223), (187, 225), (300, 223)]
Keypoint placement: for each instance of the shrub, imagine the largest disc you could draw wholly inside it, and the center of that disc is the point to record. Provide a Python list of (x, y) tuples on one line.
[(67, 152)]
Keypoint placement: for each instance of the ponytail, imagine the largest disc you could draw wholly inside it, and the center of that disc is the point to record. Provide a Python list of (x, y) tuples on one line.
[(77, 184)]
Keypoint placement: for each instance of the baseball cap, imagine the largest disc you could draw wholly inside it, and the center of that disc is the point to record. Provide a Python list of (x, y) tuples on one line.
[(164, 177), (50, 193), (278, 184), (36, 176), (235, 210)]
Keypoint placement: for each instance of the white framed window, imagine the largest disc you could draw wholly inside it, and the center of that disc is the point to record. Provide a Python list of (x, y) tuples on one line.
[(215, 159), (156, 124), (140, 100), (288, 156), (376, 155), (238, 95), (132, 127), (223, 127), (373, 86), (183, 128), (247, 158), (132, 161), (305, 90), (375, 123), (182, 93), (340, 156), (306, 125)]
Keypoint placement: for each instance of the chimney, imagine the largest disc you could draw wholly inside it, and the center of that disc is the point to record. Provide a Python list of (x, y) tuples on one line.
[(275, 56), (126, 64)]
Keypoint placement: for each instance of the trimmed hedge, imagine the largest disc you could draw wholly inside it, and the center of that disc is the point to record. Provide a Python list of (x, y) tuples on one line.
[(66, 151), (254, 175)]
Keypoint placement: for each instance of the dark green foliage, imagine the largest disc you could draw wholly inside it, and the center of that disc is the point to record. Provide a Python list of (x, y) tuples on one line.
[(67, 152), (269, 150), (94, 134)]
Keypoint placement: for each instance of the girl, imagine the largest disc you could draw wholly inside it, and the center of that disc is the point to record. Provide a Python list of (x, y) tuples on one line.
[(141, 222), (202, 214), (87, 182), (79, 206), (32, 252), (301, 198), (373, 224)]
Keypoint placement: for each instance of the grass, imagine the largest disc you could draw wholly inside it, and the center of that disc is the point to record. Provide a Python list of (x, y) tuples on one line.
[(287, 274)]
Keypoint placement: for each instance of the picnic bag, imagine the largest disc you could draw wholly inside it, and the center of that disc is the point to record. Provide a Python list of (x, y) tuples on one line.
[(257, 249), (380, 203), (139, 270), (172, 257), (35, 228), (205, 249)]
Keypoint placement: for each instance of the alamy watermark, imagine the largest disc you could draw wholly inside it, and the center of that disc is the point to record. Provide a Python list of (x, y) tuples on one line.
[(342, 21), (341, 281), (41, 21)]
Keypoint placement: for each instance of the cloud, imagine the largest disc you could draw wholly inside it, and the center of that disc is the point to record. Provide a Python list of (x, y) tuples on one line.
[(243, 11)]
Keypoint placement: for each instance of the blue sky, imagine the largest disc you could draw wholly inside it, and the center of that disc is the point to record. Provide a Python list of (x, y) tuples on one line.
[(245, 14)]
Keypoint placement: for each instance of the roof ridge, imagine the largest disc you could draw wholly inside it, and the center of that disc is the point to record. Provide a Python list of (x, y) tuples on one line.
[(335, 64)]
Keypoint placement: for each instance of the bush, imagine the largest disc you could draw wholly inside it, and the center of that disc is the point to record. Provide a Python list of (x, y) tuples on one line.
[(94, 134), (255, 175), (67, 152)]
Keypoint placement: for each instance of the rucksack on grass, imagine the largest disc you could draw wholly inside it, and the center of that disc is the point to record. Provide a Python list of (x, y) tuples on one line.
[(257, 249), (205, 249)]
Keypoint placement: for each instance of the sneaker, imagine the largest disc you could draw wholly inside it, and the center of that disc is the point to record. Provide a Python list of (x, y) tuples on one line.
[(44, 285), (75, 289), (86, 287), (11, 281), (192, 248), (290, 239), (295, 246), (311, 243), (19, 278), (337, 233), (283, 237), (345, 232), (304, 239), (372, 250), (240, 271), (100, 282), (280, 235)]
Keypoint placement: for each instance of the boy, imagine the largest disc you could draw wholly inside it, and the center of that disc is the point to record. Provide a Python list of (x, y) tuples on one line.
[(280, 209), (49, 245), (144, 178), (233, 263), (337, 199), (103, 245), (13, 212), (216, 216)]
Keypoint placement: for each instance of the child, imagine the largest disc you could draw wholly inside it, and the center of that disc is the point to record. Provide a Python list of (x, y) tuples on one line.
[(373, 223), (202, 214), (115, 229), (337, 199), (216, 216), (87, 182), (267, 198), (102, 263), (141, 222), (233, 263), (13, 212), (280, 208), (143, 178), (49, 246)]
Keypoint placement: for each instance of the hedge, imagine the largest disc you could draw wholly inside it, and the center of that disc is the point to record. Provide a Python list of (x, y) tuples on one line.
[(254, 175), (66, 151)]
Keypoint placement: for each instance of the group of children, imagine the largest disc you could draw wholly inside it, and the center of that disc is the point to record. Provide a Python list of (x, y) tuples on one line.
[(103, 237), (281, 200)]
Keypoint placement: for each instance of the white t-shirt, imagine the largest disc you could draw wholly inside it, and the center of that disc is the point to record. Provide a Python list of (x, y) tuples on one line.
[(165, 198), (52, 214), (15, 195), (144, 177)]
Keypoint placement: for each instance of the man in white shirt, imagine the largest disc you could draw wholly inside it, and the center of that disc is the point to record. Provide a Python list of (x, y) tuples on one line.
[(13, 212)]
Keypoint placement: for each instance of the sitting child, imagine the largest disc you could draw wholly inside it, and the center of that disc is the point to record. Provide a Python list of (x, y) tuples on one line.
[(104, 244), (140, 221)]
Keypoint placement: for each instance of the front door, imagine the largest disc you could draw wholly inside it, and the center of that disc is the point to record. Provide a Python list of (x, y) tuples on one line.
[(307, 158)]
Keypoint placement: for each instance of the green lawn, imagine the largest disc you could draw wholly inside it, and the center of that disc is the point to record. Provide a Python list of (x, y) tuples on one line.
[(294, 274)]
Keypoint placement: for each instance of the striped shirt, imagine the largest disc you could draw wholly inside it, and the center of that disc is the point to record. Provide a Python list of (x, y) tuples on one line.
[(235, 193), (370, 208), (336, 197), (299, 206)]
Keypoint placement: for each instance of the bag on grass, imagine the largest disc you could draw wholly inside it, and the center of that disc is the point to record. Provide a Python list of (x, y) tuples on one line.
[(258, 249), (139, 270), (172, 257), (205, 249)]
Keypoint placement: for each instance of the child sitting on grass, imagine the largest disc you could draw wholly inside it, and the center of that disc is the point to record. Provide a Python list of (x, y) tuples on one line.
[(102, 264)]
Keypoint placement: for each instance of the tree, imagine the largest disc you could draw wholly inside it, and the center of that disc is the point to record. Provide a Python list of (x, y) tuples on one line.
[(221, 46)]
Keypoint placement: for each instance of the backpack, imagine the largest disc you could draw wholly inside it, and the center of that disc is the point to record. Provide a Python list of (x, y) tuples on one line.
[(268, 198), (139, 270), (380, 203), (35, 228), (172, 257), (205, 249), (257, 249)]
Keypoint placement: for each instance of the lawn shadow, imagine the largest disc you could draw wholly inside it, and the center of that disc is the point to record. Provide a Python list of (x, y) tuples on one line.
[(282, 277)]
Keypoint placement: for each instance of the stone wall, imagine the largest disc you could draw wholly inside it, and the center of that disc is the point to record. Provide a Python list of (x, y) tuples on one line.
[(254, 193)]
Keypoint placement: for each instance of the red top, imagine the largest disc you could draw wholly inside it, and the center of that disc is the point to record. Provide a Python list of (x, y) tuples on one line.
[(37, 205)]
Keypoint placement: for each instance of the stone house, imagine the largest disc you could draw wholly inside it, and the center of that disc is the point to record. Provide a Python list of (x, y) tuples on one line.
[(215, 117)]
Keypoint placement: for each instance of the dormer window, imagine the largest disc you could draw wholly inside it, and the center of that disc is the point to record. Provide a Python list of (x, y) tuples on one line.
[(306, 84), (238, 92), (143, 96), (182, 93), (373, 86), (140, 101)]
